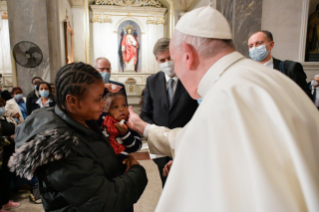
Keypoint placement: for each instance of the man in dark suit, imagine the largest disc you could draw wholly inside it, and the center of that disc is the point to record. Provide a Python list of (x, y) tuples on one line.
[(103, 66), (33, 95), (4, 94), (165, 101), (260, 45)]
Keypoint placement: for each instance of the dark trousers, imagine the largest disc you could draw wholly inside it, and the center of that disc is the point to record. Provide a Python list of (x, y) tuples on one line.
[(5, 175), (161, 162)]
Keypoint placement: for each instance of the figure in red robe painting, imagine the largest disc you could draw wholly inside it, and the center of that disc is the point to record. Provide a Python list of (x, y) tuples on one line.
[(129, 47)]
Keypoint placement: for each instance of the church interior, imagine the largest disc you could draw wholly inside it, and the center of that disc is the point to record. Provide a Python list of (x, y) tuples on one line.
[(54, 33)]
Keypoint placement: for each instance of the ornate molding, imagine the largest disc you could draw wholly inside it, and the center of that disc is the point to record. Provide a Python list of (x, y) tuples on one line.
[(97, 19), (160, 20), (131, 3), (107, 19), (150, 20)]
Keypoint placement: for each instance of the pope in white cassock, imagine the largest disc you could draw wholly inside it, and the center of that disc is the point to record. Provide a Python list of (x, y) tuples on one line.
[(253, 143)]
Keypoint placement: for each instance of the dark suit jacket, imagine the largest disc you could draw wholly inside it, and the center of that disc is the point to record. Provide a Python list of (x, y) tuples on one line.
[(31, 96), (35, 106), (6, 95), (155, 107), (295, 72)]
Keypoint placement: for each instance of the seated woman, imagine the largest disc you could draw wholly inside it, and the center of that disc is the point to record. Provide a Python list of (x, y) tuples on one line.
[(18, 103), (6, 149), (13, 114), (76, 166), (46, 98)]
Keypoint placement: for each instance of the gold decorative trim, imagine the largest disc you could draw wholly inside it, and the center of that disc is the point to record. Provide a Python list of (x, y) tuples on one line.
[(107, 19), (160, 20), (150, 20), (132, 3), (96, 18)]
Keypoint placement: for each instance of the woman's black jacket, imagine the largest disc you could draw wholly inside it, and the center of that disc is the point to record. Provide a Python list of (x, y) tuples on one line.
[(76, 166)]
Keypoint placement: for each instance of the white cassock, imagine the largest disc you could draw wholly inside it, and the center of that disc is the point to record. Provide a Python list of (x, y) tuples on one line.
[(251, 146)]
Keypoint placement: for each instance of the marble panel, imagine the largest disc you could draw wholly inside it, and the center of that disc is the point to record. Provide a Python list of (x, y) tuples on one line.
[(247, 20), (28, 22)]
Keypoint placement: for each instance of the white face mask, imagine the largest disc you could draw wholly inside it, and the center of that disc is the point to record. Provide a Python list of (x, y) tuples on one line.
[(168, 68)]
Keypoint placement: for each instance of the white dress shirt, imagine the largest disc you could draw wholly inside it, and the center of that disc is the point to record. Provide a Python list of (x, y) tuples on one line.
[(175, 83), (269, 63), (317, 95)]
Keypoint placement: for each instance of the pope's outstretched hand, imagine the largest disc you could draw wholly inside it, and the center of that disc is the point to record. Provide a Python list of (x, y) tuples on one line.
[(135, 123)]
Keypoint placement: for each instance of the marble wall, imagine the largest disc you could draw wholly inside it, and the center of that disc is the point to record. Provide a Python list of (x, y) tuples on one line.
[(28, 22), (244, 17)]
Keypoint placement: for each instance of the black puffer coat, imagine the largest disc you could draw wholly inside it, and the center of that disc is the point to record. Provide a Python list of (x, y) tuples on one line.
[(77, 167)]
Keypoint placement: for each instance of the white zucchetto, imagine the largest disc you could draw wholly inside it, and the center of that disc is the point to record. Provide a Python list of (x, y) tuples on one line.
[(205, 22)]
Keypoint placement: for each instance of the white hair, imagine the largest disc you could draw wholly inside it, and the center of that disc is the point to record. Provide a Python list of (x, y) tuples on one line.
[(206, 47), (317, 75), (100, 58)]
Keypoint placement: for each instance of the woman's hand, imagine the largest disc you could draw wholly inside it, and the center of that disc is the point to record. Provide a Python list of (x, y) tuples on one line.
[(167, 168), (129, 162), (12, 137), (122, 128)]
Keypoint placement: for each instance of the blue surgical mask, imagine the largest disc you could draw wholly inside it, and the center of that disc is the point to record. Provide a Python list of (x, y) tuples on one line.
[(18, 96), (258, 53), (35, 87), (44, 93), (2, 110), (16, 120), (106, 76), (199, 101)]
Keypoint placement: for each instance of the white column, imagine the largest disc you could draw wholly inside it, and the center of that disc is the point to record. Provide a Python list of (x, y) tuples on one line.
[(79, 41)]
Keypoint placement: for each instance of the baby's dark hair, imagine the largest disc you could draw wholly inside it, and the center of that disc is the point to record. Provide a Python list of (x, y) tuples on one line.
[(109, 98), (73, 79)]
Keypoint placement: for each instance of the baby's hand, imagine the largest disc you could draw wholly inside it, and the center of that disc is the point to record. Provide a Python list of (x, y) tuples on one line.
[(122, 128)]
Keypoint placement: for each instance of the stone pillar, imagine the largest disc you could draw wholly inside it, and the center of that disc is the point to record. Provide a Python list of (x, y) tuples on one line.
[(28, 22), (36, 21), (244, 17)]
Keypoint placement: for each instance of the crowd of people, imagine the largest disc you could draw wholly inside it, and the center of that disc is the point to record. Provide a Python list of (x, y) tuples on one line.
[(227, 133)]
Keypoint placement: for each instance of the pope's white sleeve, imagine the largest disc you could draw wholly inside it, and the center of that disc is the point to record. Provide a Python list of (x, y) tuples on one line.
[(161, 140)]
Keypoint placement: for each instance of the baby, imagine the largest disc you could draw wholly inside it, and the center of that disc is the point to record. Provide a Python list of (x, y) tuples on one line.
[(123, 140)]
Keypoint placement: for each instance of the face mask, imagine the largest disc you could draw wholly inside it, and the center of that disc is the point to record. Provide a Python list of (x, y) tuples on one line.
[(44, 94), (35, 87), (258, 53), (16, 120), (199, 101), (168, 68), (314, 83), (2, 110), (106, 76), (18, 96)]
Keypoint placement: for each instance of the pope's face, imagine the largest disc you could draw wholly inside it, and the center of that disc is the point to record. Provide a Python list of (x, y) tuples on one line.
[(188, 76), (129, 31)]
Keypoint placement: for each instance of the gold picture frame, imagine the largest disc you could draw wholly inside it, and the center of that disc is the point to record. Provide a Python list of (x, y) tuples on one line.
[(68, 41)]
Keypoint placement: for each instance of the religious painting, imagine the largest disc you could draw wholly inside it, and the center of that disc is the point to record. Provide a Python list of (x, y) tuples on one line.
[(129, 43)]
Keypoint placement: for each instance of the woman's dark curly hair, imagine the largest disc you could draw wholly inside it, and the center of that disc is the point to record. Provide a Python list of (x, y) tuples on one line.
[(73, 79)]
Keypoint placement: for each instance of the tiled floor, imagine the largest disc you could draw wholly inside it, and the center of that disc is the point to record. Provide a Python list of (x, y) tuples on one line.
[(147, 202)]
